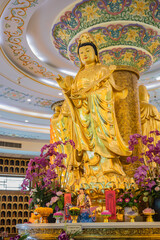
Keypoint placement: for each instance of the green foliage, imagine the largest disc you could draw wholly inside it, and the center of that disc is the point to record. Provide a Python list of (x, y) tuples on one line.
[(40, 195), (23, 236)]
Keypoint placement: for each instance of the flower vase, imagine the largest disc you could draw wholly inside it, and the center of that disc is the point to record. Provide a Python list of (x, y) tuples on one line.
[(58, 220), (44, 219), (44, 212), (132, 218), (156, 207), (126, 211), (149, 217), (74, 219), (62, 219), (120, 217), (106, 218)]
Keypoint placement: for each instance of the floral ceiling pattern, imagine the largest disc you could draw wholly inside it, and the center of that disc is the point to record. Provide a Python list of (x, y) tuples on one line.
[(22, 97), (14, 25), (127, 31)]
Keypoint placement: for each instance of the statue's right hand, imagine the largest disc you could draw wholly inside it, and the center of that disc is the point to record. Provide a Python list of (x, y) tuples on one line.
[(59, 78), (60, 81)]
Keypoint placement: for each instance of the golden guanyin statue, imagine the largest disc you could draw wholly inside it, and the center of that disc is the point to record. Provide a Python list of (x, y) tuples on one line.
[(88, 117), (150, 117)]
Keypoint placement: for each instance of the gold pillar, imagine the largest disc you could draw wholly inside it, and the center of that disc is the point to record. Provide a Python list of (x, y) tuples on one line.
[(128, 109)]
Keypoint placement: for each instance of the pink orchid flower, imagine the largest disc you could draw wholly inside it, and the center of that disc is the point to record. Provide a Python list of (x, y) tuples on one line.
[(59, 193), (48, 204), (30, 200), (54, 199)]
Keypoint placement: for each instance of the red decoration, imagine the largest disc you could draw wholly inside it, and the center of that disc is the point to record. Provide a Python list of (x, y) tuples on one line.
[(67, 201), (111, 203)]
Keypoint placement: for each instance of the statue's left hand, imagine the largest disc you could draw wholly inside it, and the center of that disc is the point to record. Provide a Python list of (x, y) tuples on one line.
[(121, 95), (112, 68)]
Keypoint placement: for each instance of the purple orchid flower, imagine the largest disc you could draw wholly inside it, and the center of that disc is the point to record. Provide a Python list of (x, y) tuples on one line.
[(63, 236)]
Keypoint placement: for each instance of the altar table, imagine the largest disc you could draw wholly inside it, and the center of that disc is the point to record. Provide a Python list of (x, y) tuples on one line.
[(110, 230)]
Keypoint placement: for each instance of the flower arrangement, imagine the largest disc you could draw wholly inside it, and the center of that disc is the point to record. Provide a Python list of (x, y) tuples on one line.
[(127, 199), (44, 211), (74, 211), (56, 202), (148, 211), (132, 213), (19, 237), (65, 235), (50, 177), (58, 215), (147, 175), (36, 216), (106, 213)]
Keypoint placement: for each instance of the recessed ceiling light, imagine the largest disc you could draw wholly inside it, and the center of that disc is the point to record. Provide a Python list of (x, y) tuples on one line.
[(65, 71), (60, 93), (28, 100), (158, 78), (24, 112), (50, 82), (26, 121)]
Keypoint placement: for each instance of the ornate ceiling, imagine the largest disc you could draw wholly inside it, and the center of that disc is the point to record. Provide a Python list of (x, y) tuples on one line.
[(127, 32), (38, 41)]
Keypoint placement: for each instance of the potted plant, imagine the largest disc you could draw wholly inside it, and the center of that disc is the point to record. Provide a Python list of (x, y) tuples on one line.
[(74, 212), (127, 200), (44, 179), (58, 216), (147, 175), (106, 214)]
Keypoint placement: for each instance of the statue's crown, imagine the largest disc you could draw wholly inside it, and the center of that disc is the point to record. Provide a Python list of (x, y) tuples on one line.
[(86, 38)]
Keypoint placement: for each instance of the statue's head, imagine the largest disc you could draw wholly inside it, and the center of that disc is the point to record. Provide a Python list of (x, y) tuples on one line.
[(143, 94), (57, 109), (87, 49), (82, 190)]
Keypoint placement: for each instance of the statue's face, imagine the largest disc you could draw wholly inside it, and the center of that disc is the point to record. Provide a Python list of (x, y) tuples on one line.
[(87, 55), (81, 191)]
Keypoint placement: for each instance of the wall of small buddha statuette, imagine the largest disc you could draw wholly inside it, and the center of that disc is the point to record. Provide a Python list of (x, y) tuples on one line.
[(13, 166), (13, 204)]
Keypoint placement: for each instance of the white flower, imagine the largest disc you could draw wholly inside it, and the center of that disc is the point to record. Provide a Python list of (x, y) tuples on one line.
[(34, 190), (157, 189), (38, 200), (30, 193)]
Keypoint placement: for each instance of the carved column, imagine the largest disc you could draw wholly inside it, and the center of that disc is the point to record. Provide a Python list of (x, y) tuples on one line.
[(128, 109)]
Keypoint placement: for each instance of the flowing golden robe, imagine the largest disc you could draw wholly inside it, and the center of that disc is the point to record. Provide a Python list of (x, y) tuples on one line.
[(91, 101), (150, 117), (61, 127), (92, 124)]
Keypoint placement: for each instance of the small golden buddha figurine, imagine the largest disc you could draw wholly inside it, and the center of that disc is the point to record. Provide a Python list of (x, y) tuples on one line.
[(91, 97), (57, 111), (83, 200), (150, 117), (84, 203)]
